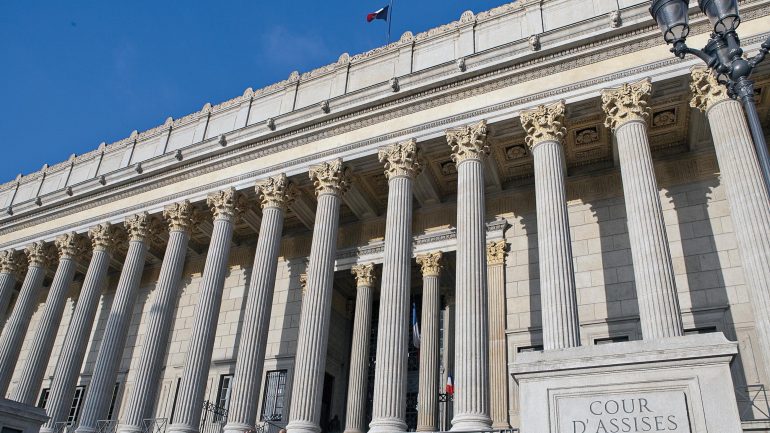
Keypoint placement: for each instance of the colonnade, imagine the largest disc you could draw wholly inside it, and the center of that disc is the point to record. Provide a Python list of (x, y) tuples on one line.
[(480, 371)]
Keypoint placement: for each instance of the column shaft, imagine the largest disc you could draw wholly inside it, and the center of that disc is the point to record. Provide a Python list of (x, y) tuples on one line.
[(355, 420), (427, 397), (99, 392), (498, 356), (76, 341), (40, 351), (7, 284)]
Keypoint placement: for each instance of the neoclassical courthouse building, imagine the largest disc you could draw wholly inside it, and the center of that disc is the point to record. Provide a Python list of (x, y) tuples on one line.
[(537, 187)]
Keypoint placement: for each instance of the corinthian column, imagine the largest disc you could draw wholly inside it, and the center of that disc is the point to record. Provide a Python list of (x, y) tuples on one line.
[(746, 193), (275, 193), (545, 131), (72, 248), (141, 229), (182, 219), (471, 400), (355, 420), (402, 165), (12, 268), (106, 239), (332, 180), (226, 206), (627, 112), (39, 256), (427, 396), (498, 356)]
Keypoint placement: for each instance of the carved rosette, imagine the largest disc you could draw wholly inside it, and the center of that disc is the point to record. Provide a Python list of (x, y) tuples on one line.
[(430, 264), (13, 262), (303, 283), (496, 252), (401, 160), (73, 246), (627, 103), (332, 177), (41, 254), (107, 237), (705, 89), (277, 191), (364, 275), (182, 217), (142, 227), (227, 204), (468, 142), (544, 123)]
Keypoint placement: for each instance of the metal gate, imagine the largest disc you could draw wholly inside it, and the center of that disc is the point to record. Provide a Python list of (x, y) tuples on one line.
[(213, 418)]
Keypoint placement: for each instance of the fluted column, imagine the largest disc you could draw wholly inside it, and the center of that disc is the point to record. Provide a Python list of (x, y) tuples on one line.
[(226, 206), (332, 179), (746, 194), (141, 229), (12, 268), (182, 219), (558, 298), (471, 399), (72, 249), (355, 419), (498, 350), (105, 240), (627, 112), (390, 374), (40, 255), (275, 193), (427, 396)]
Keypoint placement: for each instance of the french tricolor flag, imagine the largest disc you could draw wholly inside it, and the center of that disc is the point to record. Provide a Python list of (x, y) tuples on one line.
[(450, 386), (381, 14)]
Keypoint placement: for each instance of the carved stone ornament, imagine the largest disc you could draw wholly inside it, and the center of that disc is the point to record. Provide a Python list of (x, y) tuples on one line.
[(364, 274), (430, 264), (277, 191), (534, 42), (41, 254), (227, 204), (107, 237), (73, 246), (141, 227), (615, 19), (401, 159), (496, 252), (627, 103), (13, 262), (331, 177), (469, 142), (705, 89), (182, 217), (544, 123), (303, 283)]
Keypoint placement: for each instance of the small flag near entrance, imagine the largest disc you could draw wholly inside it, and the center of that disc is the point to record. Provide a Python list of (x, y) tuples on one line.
[(450, 387), (381, 14), (415, 328)]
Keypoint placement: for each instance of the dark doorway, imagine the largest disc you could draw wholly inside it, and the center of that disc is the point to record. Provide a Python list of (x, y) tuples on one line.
[(326, 402)]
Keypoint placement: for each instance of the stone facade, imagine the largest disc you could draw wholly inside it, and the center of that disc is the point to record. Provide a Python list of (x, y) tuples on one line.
[(467, 132)]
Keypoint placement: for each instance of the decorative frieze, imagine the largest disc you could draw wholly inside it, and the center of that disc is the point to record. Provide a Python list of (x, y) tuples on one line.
[(468, 142), (627, 103), (705, 89), (107, 237), (544, 123), (277, 191), (331, 177), (72, 246), (13, 262), (182, 217), (40, 254), (401, 159), (430, 264), (496, 252), (364, 274), (227, 204)]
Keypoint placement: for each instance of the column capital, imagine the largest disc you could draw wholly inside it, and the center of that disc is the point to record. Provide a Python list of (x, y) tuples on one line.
[(13, 262), (705, 89), (627, 103), (141, 227), (468, 142), (496, 252), (41, 254), (227, 204), (430, 264), (277, 191), (182, 217), (544, 123), (364, 274), (401, 159), (303, 283), (107, 237), (73, 246), (330, 177)]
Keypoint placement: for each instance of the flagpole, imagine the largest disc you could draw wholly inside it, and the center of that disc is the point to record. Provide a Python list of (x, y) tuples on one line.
[(390, 19)]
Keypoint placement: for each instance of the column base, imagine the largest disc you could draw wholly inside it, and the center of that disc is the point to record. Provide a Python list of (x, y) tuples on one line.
[(302, 427), (181, 428), (353, 431), (428, 428), (387, 425), (471, 422), (236, 427), (502, 426), (127, 428), (677, 384)]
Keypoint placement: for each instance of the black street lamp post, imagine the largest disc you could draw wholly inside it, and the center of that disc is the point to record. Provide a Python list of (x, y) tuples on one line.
[(722, 54)]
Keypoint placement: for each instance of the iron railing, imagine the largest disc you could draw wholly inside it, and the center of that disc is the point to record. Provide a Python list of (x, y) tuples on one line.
[(61, 427), (106, 425), (213, 418), (268, 427), (753, 403), (154, 425)]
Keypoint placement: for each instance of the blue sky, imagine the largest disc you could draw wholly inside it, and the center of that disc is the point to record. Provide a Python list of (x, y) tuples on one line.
[(79, 72)]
